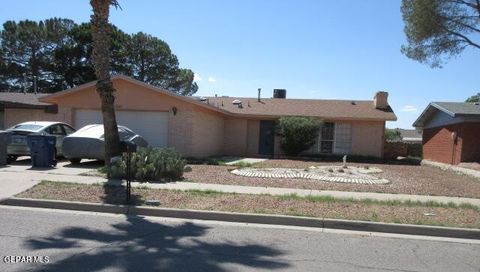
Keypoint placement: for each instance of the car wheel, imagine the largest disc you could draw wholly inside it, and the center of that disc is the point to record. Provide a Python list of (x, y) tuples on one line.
[(75, 161), (11, 159)]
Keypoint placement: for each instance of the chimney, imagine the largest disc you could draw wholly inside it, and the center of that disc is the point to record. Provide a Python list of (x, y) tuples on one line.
[(380, 100), (259, 92), (279, 93)]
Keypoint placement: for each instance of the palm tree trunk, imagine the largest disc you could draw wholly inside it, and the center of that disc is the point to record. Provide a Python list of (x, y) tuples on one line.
[(101, 61)]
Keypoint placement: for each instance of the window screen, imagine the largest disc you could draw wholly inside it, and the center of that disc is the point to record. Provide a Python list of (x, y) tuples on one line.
[(343, 138)]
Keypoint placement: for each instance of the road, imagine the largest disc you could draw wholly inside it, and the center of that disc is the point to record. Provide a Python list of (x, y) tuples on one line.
[(81, 241)]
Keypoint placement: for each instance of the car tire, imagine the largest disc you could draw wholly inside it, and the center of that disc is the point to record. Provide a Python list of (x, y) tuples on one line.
[(11, 159), (75, 161)]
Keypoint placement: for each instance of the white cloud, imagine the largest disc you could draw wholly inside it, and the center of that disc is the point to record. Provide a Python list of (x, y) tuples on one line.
[(196, 77), (211, 79), (409, 108)]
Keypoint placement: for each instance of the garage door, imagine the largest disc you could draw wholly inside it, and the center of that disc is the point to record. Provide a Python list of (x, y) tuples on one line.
[(152, 125)]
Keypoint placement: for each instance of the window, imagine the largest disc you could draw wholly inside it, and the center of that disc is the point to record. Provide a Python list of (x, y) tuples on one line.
[(327, 138), (55, 130), (333, 138), (68, 129), (343, 138)]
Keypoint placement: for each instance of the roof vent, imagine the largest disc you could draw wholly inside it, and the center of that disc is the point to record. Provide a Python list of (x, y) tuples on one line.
[(236, 102), (279, 93)]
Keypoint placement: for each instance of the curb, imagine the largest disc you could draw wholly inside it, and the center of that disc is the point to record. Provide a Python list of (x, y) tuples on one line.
[(249, 218)]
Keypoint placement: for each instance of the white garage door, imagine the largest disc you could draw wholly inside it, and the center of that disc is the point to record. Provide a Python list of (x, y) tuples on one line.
[(152, 125)]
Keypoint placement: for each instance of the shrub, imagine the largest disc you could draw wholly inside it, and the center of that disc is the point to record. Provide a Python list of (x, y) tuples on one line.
[(150, 164), (298, 133)]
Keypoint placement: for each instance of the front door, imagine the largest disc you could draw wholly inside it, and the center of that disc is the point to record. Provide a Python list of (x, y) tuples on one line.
[(267, 136)]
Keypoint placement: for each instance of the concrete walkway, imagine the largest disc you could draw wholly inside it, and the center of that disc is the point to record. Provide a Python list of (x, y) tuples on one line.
[(25, 179), (461, 170)]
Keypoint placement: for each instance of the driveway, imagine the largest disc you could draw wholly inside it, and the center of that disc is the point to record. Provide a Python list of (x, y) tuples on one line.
[(20, 176)]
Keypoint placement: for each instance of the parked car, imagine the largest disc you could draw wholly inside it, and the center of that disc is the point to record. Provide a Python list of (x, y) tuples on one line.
[(89, 143), (18, 145)]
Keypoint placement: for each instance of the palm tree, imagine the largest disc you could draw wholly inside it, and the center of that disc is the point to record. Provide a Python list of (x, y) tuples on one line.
[(101, 60)]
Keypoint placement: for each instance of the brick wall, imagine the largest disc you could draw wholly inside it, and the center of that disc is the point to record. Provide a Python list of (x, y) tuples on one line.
[(470, 134), (438, 144)]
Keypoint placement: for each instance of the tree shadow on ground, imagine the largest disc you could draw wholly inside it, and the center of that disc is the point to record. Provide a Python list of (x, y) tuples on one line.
[(142, 245)]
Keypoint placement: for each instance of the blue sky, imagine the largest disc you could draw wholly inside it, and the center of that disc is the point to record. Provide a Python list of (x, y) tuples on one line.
[(343, 49)]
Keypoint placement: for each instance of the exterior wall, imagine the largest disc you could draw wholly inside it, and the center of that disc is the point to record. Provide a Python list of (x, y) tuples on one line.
[(438, 144), (470, 142), (253, 134), (235, 137), (13, 116), (180, 131), (208, 134), (193, 130), (368, 138)]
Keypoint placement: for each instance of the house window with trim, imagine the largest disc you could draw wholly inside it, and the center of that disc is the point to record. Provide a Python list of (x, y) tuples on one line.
[(343, 138), (333, 138), (327, 138)]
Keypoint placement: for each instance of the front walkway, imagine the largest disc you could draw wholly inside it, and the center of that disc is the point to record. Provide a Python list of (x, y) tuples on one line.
[(25, 180)]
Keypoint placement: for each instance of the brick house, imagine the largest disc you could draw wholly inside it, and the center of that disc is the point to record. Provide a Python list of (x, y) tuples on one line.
[(211, 126), (451, 132)]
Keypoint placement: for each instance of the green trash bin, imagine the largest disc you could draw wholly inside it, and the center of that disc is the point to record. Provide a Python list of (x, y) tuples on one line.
[(5, 139)]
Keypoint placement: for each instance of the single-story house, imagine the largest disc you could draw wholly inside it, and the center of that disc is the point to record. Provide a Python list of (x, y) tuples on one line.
[(24, 106), (451, 132), (209, 126), (409, 136)]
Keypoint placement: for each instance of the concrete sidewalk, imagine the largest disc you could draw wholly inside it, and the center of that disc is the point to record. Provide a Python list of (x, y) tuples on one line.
[(30, 179)]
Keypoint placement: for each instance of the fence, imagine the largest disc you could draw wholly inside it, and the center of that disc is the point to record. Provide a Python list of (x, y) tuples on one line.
[(393, 150)]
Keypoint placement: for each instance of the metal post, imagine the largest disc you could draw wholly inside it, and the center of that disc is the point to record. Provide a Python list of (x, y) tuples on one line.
[(129, 189)]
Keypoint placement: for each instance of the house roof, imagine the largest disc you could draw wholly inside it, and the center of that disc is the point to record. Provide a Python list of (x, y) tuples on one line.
[(267, 107), (459, 108), (23, 100), (453, 109), (410, 133), (328, 109), (51, 98)]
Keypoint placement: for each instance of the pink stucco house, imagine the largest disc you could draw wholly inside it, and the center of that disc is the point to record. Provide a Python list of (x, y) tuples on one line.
[(210, 125)]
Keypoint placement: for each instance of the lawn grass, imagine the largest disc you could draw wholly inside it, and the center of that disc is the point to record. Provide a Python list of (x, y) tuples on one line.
[(390, 211)]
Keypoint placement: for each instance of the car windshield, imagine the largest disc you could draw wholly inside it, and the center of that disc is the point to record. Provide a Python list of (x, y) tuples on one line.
[(28, 127)]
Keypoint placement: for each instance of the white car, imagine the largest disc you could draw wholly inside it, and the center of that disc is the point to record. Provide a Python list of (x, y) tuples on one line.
[(18, 145)]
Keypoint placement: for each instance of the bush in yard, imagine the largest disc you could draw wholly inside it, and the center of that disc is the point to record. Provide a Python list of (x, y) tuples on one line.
[(298, 133), (150, 164)]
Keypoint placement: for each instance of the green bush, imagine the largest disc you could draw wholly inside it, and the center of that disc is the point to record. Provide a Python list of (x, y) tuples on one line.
[(297, 133), (150, 164)]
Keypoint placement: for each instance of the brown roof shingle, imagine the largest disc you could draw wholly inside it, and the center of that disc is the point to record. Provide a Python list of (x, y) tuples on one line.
[(327, 109)]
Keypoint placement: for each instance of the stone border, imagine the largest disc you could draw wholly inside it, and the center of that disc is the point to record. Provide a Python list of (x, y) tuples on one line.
[(249, 218), (457, 169), (296, 173)]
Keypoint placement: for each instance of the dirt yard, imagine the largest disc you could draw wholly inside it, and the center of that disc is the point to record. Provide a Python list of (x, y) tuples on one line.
[(287, 205), (404, 179)]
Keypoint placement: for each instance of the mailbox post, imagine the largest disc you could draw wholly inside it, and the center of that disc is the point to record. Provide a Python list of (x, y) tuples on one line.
[(128, 147)]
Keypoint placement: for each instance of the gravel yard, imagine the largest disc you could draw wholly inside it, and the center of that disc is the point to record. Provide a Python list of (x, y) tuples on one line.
[(404, 179), (392, 212)]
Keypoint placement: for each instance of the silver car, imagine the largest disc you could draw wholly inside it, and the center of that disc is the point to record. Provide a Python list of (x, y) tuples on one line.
[(89, 142), (18, 145)]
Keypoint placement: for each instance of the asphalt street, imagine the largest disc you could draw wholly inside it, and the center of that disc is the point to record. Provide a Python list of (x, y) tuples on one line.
[(53, 240)]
